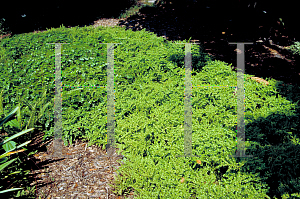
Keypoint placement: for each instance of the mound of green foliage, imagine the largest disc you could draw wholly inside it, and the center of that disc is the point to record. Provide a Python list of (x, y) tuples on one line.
[(149, 79), (295, 48)]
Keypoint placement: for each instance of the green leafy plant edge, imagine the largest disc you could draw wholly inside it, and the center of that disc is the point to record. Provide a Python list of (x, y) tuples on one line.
[(8, 145)]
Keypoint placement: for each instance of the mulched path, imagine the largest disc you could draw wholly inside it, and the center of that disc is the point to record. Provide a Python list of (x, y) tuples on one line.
[(88, 176)]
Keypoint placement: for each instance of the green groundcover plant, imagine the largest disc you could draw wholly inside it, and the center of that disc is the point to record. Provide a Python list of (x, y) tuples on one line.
[(149, 79), (295, 48)]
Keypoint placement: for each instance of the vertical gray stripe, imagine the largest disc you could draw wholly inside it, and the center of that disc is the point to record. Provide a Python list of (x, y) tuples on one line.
[(240, 101), (57, 104), (57, 142), (187, 101), (110, 100)]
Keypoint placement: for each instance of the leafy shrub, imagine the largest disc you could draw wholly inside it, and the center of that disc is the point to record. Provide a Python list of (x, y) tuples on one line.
[(149, 105), (295, 48)]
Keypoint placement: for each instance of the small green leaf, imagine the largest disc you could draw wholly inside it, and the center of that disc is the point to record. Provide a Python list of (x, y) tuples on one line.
[(2, 166), (11, 145), (8, 190), (25, 143), (2, 160), (14, 123), (15, 172), (9, 115), (17, 135)]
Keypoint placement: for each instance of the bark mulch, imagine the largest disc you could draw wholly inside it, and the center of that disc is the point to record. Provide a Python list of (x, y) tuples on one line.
[(86, 172)]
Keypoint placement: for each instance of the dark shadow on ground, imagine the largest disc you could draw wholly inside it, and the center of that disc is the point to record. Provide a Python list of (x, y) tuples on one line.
[(214, 25), (30, 16)]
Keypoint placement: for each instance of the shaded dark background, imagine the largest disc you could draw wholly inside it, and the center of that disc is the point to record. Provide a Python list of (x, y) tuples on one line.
[(245, 17), (42, 15)]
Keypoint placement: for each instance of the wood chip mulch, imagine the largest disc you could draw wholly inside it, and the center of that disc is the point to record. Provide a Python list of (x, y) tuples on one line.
[(87, 172)]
